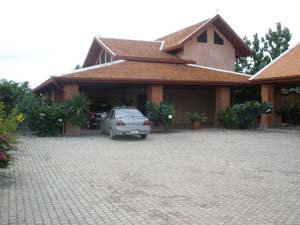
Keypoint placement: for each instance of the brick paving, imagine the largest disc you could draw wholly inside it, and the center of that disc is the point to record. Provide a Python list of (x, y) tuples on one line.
[(209, 176)]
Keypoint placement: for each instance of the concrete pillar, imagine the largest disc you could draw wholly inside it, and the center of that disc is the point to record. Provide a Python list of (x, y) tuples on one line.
[(57, 95), (155, 93), (69, 91), (222, 101), (268, 95)]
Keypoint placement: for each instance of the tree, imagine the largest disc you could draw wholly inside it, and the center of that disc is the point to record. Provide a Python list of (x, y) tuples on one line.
[(11, 93), (77, 67), (264, 49)]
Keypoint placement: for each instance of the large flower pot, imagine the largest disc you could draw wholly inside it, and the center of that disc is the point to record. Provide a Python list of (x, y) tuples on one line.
[(71, 130), (196, 124)]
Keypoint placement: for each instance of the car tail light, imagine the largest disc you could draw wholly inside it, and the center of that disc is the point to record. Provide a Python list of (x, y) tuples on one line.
[(120, 123), (147, 123)]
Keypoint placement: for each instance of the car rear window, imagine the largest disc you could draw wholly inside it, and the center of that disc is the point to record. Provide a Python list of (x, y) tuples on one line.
[(128, 112)]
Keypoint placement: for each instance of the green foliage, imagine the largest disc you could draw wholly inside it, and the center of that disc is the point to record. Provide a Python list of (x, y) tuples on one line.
[(48, 120), (8, 123), (243, 116), (160, 115), (12, 93), (77, 109), (264, 49), (196, 116), (290, 114), (5, 157), (294, 91), (8, 126)]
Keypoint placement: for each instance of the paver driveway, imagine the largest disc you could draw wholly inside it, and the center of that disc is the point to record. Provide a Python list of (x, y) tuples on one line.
[(204, 177)]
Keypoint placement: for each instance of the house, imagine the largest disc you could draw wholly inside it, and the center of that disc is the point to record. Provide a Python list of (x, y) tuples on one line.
[(193, 68), (282, 73)]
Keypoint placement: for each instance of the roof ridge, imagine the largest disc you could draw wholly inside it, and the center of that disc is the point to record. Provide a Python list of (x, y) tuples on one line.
[(274, 61), (197, 29), (98, 37), (158, 39), (219, 70)]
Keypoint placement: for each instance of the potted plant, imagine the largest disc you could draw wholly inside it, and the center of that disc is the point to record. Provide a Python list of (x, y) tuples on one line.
[(195, 119), (77, 107)]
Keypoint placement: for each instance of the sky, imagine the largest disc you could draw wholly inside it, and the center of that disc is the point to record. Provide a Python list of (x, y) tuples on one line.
[(43, 38)]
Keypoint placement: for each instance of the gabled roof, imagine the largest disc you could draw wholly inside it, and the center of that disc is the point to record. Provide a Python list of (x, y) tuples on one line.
[(175, 41), (285, 67), (131, 50), (146, 72)]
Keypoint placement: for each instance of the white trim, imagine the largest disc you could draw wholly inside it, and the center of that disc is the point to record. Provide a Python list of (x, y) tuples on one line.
[(162, 45), (124, 39), (195, 31), (91, 68), (219, 70), (274, 61), (111, 51)]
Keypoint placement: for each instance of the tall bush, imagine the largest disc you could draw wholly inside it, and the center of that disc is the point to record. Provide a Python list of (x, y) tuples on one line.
[(243, 116), (162, 114), (8, 126), (77, 109)]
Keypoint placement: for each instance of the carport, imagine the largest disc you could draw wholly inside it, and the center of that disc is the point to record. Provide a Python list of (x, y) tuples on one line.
[(283, 73)]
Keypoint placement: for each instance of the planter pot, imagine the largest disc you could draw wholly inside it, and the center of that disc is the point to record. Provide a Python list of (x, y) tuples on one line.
[(71, 130), (196, 125)]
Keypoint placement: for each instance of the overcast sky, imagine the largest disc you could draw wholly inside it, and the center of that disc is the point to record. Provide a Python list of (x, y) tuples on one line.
[(40, 38)]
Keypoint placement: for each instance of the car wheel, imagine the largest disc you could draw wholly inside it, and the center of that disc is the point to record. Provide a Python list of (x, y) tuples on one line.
[(111, 134), (143, 136)]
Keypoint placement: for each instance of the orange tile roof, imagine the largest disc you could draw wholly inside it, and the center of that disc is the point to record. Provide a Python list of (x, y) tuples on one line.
[(145, 72), (286, 66), (139, 50), (176, 40)]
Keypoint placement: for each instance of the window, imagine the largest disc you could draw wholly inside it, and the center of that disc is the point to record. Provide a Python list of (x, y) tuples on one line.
[(108, 58), (202, 37), (102, 57), (217, 39)]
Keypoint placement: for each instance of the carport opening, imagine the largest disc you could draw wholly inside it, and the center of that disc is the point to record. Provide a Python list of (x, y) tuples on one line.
[(104, 97)]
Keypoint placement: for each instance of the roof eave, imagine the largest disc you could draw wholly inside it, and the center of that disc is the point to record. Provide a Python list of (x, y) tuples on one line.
[(146, 59), (147, 81)]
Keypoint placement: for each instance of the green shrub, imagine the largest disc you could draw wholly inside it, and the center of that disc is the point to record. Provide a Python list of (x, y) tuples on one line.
[(77, 109), (8, 123), (196, 116), (290, 114), (243, 116), (8, 127), (294, 114), (48, 120), (5, 157), (160, 115)]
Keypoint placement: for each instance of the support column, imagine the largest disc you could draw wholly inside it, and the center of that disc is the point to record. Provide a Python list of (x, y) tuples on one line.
[(155, 93), (222, 101), (57, 95), (268, 95), (69, 91)]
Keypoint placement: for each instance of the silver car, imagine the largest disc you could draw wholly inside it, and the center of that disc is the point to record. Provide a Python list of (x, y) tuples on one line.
[(125, 121)]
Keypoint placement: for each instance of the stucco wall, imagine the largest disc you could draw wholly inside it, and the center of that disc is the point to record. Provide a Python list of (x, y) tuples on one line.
[(210, 54), (191, 100)]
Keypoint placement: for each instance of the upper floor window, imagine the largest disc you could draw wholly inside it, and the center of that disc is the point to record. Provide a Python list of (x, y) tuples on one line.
[(104, 58), (202, 37), (108, 58), (217, 39)]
